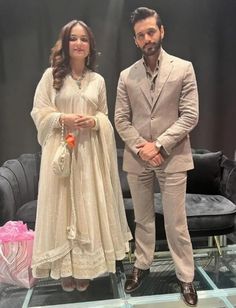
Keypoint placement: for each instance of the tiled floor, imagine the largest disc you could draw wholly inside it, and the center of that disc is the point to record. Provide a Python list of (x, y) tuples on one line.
[(215, 280)]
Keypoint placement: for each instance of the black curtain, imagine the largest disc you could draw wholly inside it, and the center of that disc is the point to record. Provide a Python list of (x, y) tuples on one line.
[(202, 31)]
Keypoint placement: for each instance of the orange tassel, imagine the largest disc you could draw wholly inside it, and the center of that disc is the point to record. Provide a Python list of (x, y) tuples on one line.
[(70, 140)]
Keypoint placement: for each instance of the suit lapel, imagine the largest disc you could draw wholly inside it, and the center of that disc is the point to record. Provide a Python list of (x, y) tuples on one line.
[(143, 82), (145, 88), (165, 69)]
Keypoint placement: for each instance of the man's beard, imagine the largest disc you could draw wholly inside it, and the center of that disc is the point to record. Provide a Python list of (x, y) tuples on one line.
[(152, 49)]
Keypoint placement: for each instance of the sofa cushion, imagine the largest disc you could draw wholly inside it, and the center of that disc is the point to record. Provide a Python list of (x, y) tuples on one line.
[(27, 213), (205, 177), (206, 214), (208, 205)]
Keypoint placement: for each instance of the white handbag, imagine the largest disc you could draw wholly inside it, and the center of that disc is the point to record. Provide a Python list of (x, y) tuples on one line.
[(61, 163)]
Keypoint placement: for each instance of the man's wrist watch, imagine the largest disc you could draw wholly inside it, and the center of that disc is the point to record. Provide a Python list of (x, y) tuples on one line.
[(158, 146)]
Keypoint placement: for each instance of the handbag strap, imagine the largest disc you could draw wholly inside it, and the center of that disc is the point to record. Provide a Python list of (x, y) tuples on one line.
[(62, 130)]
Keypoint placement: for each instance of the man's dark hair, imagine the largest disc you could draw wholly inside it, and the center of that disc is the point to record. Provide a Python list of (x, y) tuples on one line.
[(143, 13)]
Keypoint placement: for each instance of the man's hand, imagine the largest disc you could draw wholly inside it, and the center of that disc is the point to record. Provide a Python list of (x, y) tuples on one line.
[(148, 150), (156, 160)]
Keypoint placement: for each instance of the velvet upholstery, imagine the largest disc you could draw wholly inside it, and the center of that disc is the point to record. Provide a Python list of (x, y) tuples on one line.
[(206, 175), (18, 184)]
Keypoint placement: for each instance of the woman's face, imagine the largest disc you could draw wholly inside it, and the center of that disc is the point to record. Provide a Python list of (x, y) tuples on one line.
[(78, 43)]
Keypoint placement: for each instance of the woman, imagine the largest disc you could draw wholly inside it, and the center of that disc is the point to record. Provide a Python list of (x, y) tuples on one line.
[(81, 228)]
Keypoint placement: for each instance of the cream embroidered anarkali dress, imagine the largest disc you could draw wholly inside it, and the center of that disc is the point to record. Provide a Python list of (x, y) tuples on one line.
[(81, 227)]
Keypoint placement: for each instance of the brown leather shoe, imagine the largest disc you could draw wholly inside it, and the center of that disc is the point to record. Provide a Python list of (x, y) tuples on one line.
[(134, 281), (189, 293)]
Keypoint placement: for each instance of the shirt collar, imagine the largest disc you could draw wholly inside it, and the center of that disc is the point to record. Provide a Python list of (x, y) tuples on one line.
[(148, 70)]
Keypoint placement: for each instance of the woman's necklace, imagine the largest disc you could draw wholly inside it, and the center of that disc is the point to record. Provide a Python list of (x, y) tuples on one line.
[(79, 79)]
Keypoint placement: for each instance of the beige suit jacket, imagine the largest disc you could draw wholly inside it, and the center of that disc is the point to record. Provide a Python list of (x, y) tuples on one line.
[(168, 118)]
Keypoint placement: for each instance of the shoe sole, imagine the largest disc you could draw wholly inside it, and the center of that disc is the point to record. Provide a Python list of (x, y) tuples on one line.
[(68, 289), (186, 303)]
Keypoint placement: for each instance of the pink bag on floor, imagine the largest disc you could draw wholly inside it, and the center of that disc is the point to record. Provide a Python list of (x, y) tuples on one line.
[(16, 247)]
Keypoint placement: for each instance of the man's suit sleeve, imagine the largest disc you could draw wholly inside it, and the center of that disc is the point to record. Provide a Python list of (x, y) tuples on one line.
[(188, 112), (123, 118)]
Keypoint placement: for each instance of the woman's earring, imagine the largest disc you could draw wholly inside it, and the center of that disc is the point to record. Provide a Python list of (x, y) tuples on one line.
[(88, 61)]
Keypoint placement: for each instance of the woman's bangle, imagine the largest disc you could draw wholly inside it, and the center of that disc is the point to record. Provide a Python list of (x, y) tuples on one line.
[(61, 119)]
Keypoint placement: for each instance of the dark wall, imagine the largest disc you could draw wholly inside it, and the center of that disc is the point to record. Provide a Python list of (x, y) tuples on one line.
[(202, 31)]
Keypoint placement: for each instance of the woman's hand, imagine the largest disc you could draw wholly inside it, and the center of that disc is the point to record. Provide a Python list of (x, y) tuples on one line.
[(85, 122), (69, 120), (76, 121)]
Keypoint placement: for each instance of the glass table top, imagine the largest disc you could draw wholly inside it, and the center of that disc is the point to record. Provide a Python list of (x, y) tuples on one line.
[(215, 281)]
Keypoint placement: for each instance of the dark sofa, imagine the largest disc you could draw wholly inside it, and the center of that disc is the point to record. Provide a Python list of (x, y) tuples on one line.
[(210, 203)]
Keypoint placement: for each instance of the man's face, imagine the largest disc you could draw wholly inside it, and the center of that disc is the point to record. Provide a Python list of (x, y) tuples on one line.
[(148, 36)]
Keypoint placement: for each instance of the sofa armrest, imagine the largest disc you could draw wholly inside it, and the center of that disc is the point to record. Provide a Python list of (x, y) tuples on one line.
[(18, 184), (8, 205), (228, 180)]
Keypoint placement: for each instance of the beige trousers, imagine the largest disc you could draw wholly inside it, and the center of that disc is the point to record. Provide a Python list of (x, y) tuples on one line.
[(173, 191)]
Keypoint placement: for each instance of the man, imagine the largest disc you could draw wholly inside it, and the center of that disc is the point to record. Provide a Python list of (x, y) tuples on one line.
[(156, 108)]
